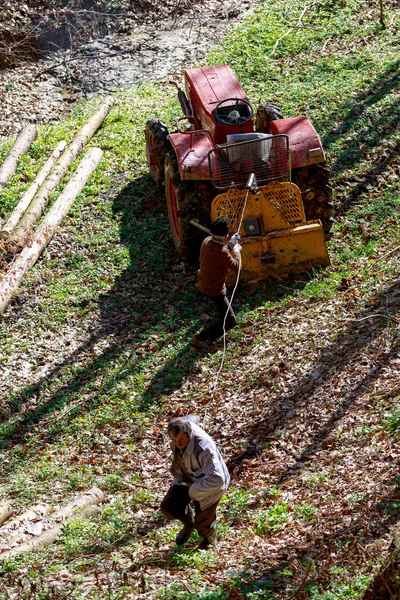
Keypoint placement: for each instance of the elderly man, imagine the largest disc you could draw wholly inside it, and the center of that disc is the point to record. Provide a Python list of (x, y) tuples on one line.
[(217, 257), (200, 479)]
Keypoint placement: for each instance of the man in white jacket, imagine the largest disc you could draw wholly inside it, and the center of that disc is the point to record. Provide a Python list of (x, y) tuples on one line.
[(201, 478)]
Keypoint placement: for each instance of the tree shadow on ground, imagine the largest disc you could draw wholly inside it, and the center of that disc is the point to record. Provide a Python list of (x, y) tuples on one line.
[(148, 296), (287, 570), (365, 139), (353, 338), (154, 292), (153, 307)]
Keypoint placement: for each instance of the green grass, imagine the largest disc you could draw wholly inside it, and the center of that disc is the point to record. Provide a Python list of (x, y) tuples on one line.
[(112, 294), (392, 423)]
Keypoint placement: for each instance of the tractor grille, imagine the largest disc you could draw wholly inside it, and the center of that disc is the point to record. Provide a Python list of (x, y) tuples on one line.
[(286, 199), (238, 205), (267, 158), (230, 205)]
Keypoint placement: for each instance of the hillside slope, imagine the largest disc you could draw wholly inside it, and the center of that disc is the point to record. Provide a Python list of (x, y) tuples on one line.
[(95, 357)]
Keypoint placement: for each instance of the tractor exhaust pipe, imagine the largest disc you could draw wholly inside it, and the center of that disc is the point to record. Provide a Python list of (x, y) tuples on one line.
[(183, 101)]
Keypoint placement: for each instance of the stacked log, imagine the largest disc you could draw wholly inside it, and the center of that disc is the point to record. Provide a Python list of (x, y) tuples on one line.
[(21, 527), (21, 234), (26, 199), (29, 255), (18, 229)]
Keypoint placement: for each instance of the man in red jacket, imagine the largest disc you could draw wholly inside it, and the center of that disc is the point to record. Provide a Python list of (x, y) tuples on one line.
[(217, 257)]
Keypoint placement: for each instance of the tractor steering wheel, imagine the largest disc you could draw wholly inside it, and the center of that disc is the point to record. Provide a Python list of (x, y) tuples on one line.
[(233, 117)]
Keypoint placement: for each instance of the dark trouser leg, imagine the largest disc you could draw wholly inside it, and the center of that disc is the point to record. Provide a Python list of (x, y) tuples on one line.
[(205, 520), (211, 334), (175, 505)]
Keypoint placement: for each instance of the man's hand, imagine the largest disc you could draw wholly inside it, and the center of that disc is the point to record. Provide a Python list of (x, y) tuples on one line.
[(237, 248), (234, 239)]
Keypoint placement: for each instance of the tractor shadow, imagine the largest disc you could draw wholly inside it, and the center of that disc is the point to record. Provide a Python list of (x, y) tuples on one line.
[(158, 290), (153, 307)]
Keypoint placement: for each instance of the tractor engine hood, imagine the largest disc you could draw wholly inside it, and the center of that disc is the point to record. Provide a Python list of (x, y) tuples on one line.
[(206, 87)]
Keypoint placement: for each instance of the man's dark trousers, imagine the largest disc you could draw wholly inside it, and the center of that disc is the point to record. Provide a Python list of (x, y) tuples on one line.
[(175, 505), (211, 334)]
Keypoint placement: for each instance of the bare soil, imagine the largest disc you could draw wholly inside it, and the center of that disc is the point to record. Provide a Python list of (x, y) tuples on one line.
[(147, 47)]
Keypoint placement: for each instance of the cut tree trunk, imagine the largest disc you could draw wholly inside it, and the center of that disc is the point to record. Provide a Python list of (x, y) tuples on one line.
[(26, 199), (93, 496), (50, 535), (11, 280), (13, 530), (22, 144), (53, 524), (28, 515), (5, 511), (20, 236)]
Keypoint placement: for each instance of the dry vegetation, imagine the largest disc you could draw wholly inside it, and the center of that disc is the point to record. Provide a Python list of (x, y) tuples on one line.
[(306, 409)]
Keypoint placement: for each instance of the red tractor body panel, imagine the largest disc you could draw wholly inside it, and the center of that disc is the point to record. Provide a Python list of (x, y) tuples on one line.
[(192, 148), (304, 142), (220, 144), (206, 87)]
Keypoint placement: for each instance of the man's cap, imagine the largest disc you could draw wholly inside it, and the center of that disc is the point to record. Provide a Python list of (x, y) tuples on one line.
[(220, 226)]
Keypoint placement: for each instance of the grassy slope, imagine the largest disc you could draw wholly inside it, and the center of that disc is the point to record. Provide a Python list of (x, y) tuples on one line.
[(94, 355)]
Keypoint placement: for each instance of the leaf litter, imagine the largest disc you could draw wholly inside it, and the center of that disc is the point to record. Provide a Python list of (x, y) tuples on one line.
[(298, 413)]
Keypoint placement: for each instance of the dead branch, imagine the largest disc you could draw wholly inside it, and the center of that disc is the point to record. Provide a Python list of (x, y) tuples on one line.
[(303, 12), (303, 583), (382, 257), (374, 316)]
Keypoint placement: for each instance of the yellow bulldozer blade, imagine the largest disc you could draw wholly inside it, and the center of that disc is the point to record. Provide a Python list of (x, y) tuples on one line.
[(276, 239)]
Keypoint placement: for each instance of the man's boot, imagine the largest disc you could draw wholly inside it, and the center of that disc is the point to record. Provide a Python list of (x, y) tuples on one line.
[(185, 533), (209, 541)]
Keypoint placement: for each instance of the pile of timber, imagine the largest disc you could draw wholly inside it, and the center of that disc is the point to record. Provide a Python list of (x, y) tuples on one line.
[(18, 233), (39, 526)]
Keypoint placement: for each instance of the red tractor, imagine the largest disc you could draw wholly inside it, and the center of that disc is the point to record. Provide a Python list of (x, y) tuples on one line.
[(215, 161)]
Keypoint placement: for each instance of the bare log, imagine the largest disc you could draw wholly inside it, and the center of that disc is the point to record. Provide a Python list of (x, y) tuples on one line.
[(50, 535), (93, 496), (5, 511), (36, 511), (26, 199), (13, 530), (22, 144), (11, 280), (53, 524), (20, 236)]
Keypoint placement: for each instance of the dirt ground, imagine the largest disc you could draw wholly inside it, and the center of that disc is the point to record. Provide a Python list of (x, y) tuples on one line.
[(45, 90)]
